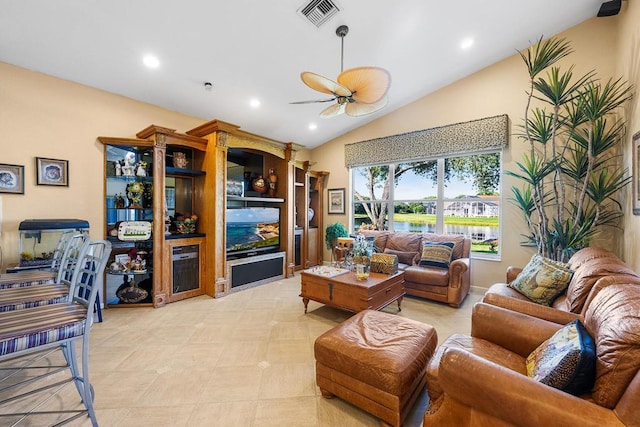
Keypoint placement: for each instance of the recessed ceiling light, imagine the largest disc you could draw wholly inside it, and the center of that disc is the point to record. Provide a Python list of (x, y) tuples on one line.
[(255, 103), (466, 43), (313, 126), (151, 61)]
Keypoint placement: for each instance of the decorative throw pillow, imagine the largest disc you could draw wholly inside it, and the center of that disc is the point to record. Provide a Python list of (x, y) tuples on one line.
[(542, 280), (566, 361), (384, 263), (436, 254), (403, 257)]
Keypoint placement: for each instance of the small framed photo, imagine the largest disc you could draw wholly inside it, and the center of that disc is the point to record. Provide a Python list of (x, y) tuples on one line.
[(52, 172), (336, 200), (636, 173), (11, 179)]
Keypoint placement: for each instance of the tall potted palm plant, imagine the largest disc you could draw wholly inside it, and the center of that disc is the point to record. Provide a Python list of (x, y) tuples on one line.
[(571, 175)]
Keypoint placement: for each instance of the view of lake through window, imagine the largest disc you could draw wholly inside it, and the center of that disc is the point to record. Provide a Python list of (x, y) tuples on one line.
[(456, 195)]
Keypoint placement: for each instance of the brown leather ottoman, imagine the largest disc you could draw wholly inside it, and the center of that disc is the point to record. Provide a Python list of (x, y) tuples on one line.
[(376, 361)]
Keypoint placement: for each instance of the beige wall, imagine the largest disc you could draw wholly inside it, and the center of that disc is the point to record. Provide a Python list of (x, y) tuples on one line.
[(42, 116), (498, 89), (628, 65), (47, 117)]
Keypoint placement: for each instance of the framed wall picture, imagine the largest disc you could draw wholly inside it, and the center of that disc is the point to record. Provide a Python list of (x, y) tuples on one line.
[(336, 200), (52, 172), (11, 179), (635, 142)]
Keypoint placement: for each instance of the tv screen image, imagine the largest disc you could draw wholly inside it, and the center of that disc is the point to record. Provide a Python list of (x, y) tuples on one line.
[(253, 229)]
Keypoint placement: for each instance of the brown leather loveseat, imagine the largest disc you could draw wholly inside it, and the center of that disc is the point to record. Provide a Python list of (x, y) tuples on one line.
[(593, 269), (445, 285), (481, 380)]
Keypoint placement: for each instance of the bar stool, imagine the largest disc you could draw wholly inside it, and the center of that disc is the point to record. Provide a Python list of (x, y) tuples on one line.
[(54, 327)]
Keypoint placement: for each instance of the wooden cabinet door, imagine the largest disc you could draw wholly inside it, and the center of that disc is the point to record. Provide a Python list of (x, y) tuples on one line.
[(312, 247)]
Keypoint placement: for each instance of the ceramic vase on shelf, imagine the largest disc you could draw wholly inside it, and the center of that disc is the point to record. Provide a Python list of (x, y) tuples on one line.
[(259, 185), (311, 213), (273, 182), (180, 160)]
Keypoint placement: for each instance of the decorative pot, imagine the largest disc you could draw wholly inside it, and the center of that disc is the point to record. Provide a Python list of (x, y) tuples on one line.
[(180, 160), (311, 214), (259, 185)]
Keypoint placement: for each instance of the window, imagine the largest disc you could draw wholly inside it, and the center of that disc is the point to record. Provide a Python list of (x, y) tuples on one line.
[(454, 195)]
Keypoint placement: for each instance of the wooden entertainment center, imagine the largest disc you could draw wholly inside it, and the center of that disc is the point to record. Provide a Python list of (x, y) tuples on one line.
[(220, 157)]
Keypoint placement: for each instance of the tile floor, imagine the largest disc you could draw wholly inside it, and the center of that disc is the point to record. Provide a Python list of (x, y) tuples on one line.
[(245, 359)]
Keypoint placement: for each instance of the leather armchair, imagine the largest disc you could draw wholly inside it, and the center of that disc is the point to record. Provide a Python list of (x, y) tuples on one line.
[(480, 380), (594, 269)]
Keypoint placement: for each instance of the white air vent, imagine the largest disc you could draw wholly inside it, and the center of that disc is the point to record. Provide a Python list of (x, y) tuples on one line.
[(318, 11)]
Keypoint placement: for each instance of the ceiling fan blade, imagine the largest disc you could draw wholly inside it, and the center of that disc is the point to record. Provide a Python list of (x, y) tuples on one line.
[(323, 84), (368, 84), (332, 111), (357, 109), (313, 101)]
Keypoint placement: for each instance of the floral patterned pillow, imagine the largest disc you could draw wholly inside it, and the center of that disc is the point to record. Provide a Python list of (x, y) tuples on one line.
[(542, 280), (566, 361)]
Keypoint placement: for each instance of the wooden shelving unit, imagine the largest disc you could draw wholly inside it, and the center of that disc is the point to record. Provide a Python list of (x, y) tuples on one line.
[(153, 146), (309, 209)]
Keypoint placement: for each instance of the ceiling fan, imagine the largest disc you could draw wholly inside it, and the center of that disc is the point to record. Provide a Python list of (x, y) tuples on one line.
[(358, 91)]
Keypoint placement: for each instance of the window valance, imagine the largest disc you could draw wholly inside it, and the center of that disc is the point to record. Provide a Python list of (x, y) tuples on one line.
[(460, 138)]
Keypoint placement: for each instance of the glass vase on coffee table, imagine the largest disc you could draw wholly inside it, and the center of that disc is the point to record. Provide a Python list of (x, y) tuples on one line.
[(361, 256)]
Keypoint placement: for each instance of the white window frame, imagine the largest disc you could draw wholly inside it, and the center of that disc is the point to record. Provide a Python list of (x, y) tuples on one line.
[(440, 200)]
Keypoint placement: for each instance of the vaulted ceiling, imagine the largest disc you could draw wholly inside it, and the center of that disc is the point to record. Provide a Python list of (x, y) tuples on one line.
[(255, 50)]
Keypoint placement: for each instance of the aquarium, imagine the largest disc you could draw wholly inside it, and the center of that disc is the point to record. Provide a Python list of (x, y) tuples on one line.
[(38, 239)]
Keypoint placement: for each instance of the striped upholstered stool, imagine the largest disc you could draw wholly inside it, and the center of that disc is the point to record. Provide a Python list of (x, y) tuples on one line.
[(50, 327), (40, 326), (27, 294), (25, 279), (33, 296)]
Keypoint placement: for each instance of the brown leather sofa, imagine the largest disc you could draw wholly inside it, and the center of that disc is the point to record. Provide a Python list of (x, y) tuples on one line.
[(450, 286), (594, 269), (480, 380)]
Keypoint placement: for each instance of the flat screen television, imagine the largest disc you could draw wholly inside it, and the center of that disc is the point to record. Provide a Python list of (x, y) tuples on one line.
[(252, 230)]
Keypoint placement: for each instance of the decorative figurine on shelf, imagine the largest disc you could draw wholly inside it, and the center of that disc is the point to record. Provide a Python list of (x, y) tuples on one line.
[(118, 167), (259, 185), (141, 168), (167, 219), (247, 181), (128, 164), (147, 195), (118, 201), (180, 160), (273, 182), (134, 194)]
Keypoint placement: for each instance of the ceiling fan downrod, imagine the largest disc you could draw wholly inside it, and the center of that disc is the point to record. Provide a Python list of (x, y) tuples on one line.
[(341, 32)]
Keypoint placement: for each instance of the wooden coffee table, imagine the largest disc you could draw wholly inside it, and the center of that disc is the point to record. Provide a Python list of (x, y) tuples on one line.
[(344, 291)]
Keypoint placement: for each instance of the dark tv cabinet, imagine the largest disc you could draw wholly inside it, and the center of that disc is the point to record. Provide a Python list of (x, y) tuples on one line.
[(243, 273)]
